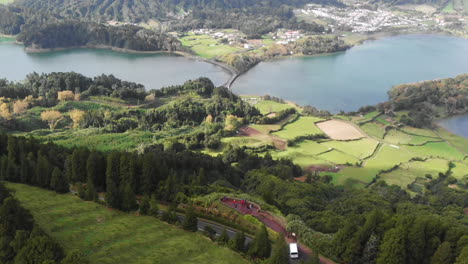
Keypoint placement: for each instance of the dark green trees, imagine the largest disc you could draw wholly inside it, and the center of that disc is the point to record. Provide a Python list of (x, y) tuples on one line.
[(237, 243), (223, 239), (443, 254), (280, 252), (261, 246), (113, 197), (190, 221), (58, 182)]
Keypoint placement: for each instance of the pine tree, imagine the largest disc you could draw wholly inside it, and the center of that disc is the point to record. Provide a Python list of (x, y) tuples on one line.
[(237, 243), (190, 222), (95, 170), (261, 246), (58, 182), (113, 197), (91, 194), (149, 173), (145, 205), (443, 254), (153, 206), (393, 247), (280, 252), (128, 198), (223, 239)]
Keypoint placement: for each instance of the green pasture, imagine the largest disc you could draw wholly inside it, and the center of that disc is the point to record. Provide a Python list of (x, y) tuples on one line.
[(352, 176), (419, 131), (4, 2), (268, 106), (109, 236), (409, 172), (367, 117), (437, 150), (395, 136), (338, 157), (374, 129), (207, 47), (360, 149), (460, 170), (459, 142), (387, 157), (303, 153), (265, 129), (304, 126), (246, 141)]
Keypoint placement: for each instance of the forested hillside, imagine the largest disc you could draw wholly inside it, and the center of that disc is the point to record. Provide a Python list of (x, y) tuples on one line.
[(426, 100), (73, 33)]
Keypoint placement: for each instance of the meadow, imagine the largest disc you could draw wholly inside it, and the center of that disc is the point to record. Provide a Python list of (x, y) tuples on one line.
[(304, 126), (207, 47), (268, 106), (108, 236), (395, 136), (374, 129)]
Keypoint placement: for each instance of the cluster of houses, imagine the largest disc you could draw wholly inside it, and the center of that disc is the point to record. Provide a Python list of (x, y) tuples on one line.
[(287, 36)]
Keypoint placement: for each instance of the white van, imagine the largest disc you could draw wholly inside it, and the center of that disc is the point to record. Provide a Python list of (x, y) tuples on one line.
[(293, 252)]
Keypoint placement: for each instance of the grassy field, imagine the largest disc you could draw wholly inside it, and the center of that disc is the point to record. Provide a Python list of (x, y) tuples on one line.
[(353, 176), (459, 142), (303, 153), (407, 173), (374, 129), (419, 131), (108, 236), (460, 170), (439, 150), (246, 141), (207, 47), (268, 106), (360, 149), (397, 137), (387, 157), (304, 126), (4, 2), (338, 157)]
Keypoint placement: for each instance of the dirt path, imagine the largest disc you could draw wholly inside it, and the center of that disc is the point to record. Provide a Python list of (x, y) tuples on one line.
[(244, 207)]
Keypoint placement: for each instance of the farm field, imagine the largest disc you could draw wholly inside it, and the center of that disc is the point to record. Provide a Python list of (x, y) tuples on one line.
[(374, 129), (437, 149), (340, 130), (338, 157), (353, 176), (460, 170), (407, 173), (253, 142), (360, 149), (459, 142), (303, 153), (304, 126), (387, 157), (395, 136), (109, 236), (268, 106), (419, 131), (207, 47)]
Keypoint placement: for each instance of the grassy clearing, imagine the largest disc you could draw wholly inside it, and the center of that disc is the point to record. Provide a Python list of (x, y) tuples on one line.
[(253, 142), (397, 137), (4, 2), (109, 236), (374, 129), (419, 131), (304, 126), (437, 150), (265, 129), (352, 175), (207, 47), (96, 139), (367, 117), (268, 106), (459, 142), (460, 170), (409, 172), (303, 153), (360, 149), (388, 157), (337, 157)]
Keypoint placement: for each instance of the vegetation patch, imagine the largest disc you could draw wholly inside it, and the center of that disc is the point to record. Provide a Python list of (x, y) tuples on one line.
[(206, 46), (437, 150), (397, 137), (408, 173), (269, 106), (304, 126), (109, 236), (374, 129), (303, 153), (349, 176), (459, 142), (360, 149), (388, 157), (459, 170), (338, 157)]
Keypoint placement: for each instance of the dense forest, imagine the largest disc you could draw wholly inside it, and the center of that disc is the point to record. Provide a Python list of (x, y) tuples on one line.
[(22, 241), (382, 224), (430, 99), (73, 33), (318, 45)]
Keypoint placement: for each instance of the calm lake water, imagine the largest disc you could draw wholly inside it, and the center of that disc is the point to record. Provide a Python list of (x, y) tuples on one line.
[(360, 76), (456, 124), (152, 70)]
